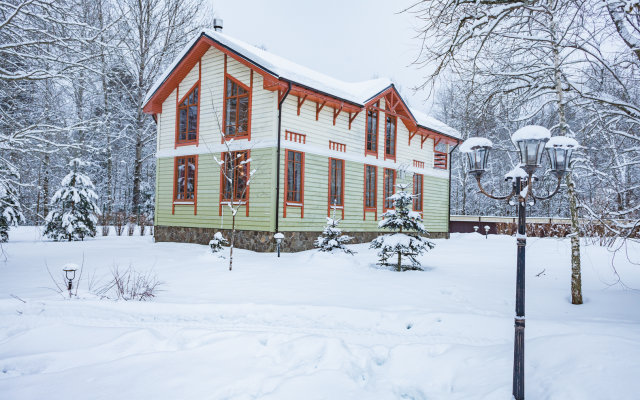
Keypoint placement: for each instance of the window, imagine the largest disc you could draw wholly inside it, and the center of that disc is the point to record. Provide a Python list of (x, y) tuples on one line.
[(418, 180), (336, 183), (236, 109), (235, 175), (390, 138), (188, 117), (370, 179), (295, 174), (372, 131), (185, 179), (389, 187), (440, 155)]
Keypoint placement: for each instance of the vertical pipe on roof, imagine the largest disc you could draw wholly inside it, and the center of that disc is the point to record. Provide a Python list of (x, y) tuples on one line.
[(278, 155)]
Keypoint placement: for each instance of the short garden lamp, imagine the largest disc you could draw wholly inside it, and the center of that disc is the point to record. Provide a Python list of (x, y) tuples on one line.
[(477, 150), (70, 274), (486, 231), (279, 237), (475, 228)]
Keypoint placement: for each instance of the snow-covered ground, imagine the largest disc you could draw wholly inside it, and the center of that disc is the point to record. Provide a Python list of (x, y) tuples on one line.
[(315, 326)]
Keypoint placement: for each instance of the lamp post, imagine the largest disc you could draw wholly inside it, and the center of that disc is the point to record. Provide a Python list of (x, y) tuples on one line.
[(278, 237), (70, 274), (530, 141)]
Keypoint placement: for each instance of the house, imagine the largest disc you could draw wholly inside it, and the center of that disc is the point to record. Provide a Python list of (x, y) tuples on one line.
[(315, 143)]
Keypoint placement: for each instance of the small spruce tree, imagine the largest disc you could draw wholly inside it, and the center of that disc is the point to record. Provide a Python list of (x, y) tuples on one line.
[(332, 237), (407, 243), (73, 214), (10, 209)]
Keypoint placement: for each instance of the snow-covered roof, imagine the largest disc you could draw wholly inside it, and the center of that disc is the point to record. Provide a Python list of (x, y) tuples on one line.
[(355, 92)]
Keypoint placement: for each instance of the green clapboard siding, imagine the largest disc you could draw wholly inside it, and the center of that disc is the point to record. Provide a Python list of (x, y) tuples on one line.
[(316, 186), (262, 197)]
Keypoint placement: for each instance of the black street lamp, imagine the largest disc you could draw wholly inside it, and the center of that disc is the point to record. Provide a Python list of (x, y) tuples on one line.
[(530, 142)]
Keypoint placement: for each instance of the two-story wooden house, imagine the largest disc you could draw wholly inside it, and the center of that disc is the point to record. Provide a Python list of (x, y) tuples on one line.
[(314, 141)]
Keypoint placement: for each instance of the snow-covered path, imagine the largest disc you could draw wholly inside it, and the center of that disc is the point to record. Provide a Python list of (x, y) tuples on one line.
[(316, 326)]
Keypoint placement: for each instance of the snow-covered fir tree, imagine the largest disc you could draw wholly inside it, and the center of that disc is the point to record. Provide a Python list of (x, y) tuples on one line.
[(73, 214), (217, 242), (10, 209), (332, 237), (407, 243)]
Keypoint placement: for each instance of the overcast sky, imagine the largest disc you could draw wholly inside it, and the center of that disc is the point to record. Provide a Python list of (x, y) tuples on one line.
[(352, 40)]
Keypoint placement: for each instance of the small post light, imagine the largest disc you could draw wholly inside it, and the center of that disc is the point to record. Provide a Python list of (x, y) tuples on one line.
[(477, 150), (475, 228), (486, 231), (559, 150), (279, 237), (70, 274), (530, 142)]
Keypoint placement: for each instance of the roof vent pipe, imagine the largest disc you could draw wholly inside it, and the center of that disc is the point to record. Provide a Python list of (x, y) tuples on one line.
[(217, 24)]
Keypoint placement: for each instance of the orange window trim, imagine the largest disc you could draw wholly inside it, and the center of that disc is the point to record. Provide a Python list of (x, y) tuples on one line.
[(195, 184), (286, 184), (329, 205), (386, 194), (249, 89), (395, 137), (179, 101), (375, 192)]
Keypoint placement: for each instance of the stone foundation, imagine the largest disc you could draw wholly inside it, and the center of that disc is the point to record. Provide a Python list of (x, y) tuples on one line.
[(259, 241)]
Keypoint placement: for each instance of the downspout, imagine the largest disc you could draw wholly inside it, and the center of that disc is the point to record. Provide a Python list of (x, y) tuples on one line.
[(278, 155), (449, 199)]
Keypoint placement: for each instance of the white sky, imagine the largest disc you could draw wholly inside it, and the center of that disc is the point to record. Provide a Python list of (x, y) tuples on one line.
[(352, 40)]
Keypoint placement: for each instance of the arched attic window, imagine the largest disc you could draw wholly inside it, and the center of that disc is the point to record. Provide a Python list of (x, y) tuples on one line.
[(188, 117)]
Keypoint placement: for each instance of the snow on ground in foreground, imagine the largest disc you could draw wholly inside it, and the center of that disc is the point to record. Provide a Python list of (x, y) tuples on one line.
[(316, 326)]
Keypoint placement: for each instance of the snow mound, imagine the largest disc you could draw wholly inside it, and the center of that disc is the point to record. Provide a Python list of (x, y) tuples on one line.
[(473, 142), (531, 132), (563, 142)]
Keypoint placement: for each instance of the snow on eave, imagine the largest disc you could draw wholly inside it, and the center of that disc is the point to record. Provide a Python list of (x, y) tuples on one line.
[(428, 122)]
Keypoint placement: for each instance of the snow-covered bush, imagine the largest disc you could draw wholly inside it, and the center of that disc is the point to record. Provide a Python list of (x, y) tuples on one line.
[(217, 242), (407, 243), (73, 214), (129, 284), (332, 238), (10, 210)]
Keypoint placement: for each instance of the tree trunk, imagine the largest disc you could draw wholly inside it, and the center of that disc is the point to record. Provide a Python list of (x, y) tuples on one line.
[(576, 275), (45, 187), (233, 238), (576, 279)]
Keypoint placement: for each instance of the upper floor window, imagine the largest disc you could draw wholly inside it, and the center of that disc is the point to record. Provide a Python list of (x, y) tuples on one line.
[(236, 109), (372, 131), (389, 187), (188, 117), (440, 156), (336, 183), (390, 137), (185, 179), (235, 175), (295, 176), (418, 180)]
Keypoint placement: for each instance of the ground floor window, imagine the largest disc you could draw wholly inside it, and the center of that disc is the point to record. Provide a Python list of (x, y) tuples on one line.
[(234, 175), (336, 183), (185, 178), (294, 181), (418, 180), (389, 187), (370, 179)]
